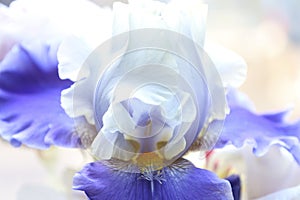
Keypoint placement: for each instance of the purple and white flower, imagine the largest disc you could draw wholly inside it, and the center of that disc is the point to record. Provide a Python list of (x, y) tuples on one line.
[(139, 87)]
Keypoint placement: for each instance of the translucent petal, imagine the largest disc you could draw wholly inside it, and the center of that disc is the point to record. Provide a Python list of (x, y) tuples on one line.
[(231, 67)]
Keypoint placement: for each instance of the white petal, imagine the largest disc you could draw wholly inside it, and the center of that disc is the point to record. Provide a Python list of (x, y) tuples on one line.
[(19, 25), (120, 18), (188, 18), (73, 22), (111, 142), (77, 106), (121, 118), (272, 172), (231, 67), (286, 194), (107, 144), (263, 175), (103, 145), (173, 149), (145, 14), (72, 54)]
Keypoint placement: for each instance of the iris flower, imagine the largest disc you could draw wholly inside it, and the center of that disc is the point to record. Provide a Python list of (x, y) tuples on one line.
[(139, 89)]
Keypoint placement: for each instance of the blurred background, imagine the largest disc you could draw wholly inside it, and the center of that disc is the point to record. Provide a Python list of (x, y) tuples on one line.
[(265, 32)]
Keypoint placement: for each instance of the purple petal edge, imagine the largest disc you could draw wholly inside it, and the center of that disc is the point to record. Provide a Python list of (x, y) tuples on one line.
[(30, 111), (244, 125)]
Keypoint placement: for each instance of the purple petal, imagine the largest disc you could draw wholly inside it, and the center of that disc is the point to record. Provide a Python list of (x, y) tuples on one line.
[(243, 125), (181, 181), (235, 183), (30, 111)]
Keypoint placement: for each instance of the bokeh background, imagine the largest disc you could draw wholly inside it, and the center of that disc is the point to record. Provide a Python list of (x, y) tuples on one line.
[(265, 32)]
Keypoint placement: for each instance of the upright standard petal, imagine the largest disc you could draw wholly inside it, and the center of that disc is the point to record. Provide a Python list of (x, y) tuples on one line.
[(231, 67), (174, 90), (180, 181), (244, 125), (30, 111)]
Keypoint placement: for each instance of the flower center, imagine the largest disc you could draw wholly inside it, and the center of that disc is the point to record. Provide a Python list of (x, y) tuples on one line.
[(149, 161)]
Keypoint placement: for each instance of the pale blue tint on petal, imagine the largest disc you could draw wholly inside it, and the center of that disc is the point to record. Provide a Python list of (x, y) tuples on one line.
[(176, 76)]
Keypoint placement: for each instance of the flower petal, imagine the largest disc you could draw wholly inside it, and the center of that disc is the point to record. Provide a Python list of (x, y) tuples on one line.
[(231, 67), (274, 171), (243, 125), (287, 194), (26, 20), (235, 183), (188, 18), (30, 98), (102, 182)]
